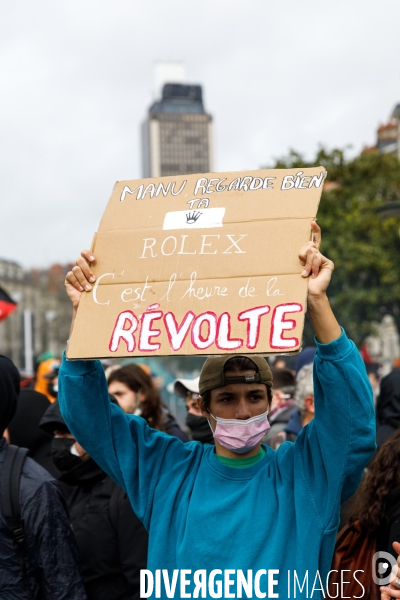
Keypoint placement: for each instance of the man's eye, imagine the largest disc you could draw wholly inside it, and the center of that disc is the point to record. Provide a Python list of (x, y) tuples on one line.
[(256, 397)]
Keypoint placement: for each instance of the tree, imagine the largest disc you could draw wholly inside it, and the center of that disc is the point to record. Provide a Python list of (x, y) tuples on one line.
[(364, 248)]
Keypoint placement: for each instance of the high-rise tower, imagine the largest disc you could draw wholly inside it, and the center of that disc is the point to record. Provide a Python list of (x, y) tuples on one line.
[(177, 133)]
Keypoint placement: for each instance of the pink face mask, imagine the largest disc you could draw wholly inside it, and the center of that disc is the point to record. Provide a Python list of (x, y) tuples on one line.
[(238, 435)]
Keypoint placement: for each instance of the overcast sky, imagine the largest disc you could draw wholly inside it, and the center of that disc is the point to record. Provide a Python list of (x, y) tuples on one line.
[(76, 80)]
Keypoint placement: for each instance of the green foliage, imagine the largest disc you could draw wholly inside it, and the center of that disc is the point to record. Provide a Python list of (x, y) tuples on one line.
[(364, 247)]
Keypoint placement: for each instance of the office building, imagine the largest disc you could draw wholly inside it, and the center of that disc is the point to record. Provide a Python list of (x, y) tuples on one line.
[(177, 135)]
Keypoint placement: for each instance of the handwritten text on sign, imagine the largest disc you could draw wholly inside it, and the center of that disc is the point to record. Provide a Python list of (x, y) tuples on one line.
[(200, 264)]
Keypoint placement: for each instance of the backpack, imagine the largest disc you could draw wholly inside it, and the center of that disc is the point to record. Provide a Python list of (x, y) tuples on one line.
[(354, 550), (10, 506)]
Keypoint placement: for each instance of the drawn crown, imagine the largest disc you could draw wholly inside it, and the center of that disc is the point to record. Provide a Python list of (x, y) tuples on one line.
[(192, 217)]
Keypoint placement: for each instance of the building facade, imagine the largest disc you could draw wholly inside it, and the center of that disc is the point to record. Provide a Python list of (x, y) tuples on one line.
[(40, 295), (177, 135), (388, 135)]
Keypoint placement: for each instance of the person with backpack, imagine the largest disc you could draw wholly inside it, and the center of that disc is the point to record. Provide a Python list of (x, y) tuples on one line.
[(24, 430), (38, 555), (241, 510), (112, 542)]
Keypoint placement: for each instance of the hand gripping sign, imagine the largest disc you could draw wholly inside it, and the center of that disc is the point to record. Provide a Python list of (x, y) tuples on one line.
[(200, 264)]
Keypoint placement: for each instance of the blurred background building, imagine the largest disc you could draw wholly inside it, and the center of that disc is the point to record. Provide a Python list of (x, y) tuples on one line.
[(42, 319), (388, 134), (177, 134)]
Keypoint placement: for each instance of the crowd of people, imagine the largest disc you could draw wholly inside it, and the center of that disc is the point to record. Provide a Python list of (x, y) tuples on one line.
[(109, 544), (103, 494)]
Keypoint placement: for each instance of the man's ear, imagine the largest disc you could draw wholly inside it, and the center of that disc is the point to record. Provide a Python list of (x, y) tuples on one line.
[(201, 406), (309, 404)]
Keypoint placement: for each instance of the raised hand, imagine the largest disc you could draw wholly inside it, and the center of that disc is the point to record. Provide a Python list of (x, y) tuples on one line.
[(80, 278), (316, 266)]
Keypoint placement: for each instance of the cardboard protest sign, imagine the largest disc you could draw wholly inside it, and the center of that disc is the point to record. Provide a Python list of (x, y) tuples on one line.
[(200, 264)]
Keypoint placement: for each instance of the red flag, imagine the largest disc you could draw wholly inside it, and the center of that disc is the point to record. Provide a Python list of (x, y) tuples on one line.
[(7, 305)]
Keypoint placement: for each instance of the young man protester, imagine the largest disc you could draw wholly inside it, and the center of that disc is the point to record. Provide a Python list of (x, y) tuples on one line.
[(239, 519)]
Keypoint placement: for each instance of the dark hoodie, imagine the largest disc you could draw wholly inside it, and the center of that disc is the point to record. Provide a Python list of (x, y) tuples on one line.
[(112, 541), (24, 429), (50, 553), (200, 429)]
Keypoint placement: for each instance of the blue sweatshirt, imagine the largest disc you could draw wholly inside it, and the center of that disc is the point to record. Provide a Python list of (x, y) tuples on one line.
[(280, 514)]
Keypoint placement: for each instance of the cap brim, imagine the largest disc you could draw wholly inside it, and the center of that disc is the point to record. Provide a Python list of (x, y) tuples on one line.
[(182, 386)]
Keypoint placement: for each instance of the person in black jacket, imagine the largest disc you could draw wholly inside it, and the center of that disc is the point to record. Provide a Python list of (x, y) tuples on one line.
[(388, 406), (112, 541), (24, 430), (50, 556)]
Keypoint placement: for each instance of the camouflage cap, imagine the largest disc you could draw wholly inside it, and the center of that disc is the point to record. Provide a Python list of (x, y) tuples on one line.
[(212, 374)]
